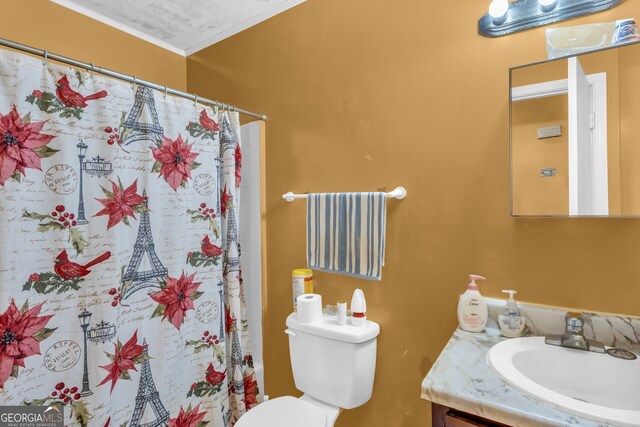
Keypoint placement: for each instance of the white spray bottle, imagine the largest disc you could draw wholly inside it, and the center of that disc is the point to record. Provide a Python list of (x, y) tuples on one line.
[(358, 308), (472, 310)]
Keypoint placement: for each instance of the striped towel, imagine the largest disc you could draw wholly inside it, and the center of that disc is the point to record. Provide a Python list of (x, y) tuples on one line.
[(346, 233)]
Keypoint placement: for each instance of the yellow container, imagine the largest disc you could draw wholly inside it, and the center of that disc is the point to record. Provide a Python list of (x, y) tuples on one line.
[(302, 281)]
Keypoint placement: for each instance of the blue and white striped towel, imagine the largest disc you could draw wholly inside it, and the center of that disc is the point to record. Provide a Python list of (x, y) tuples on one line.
[(346, 233)]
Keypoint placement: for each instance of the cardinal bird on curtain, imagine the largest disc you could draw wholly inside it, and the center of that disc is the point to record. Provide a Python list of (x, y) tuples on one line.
[(207, 122), (71, 98), (70, 270), (209, 249)]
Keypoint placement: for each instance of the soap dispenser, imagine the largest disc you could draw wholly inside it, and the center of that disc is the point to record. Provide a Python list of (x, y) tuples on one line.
[(511, 321), (472, 310)]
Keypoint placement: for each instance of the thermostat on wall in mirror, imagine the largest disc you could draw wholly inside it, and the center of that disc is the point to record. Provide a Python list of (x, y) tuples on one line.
[(549, 132)]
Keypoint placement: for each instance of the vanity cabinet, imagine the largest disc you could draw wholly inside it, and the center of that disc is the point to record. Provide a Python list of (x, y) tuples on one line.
[(442, 416)]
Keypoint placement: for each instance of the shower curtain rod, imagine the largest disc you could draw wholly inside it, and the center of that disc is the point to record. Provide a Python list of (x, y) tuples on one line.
[(131, 79)]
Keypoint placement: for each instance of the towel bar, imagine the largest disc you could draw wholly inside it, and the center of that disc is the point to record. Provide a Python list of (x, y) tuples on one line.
[(398, 193)]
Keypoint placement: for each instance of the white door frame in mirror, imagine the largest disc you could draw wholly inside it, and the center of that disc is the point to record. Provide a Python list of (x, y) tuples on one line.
[(598, 123)]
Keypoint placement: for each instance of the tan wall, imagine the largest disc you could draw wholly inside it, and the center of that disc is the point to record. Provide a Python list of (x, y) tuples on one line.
[(367, 95), (533, 194), (45, 25), (630, 128)]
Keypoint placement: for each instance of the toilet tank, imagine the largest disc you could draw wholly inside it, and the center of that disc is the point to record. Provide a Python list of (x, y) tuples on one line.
[(331, 363)]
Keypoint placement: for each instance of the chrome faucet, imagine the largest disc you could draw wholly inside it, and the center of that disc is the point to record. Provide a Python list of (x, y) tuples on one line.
[(573, 336)]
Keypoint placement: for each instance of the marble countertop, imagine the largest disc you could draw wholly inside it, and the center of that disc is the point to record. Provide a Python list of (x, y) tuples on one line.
[(462, 379)]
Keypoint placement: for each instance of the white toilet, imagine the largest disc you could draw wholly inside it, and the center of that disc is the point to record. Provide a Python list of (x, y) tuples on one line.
[(332, 365)]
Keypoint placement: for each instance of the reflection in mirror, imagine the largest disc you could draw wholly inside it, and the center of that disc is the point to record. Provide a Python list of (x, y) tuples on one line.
[(575, 125)]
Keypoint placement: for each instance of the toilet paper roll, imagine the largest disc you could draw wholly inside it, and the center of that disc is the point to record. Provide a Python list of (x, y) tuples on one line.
[(310, 308)]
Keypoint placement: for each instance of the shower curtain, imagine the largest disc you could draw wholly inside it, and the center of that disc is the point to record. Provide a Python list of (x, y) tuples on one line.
[(121, 284)]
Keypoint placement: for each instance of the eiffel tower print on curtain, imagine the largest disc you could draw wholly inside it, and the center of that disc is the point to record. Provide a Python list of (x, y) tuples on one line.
[(227, 138), (148, 395), (231, 260), (142, 123), (145, 270), (236, 360)]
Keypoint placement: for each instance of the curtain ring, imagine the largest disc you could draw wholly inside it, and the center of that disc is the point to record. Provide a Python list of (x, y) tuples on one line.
[(93, 71), (135, 81), (46, 58), (195, 101), (165, 91)]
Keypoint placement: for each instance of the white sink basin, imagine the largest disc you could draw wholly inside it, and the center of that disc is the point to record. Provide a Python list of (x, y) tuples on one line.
[(595, 385)]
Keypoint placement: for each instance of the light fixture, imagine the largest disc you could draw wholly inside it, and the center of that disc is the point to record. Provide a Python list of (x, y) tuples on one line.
[(511, 16), (547, 5), (498, 10)]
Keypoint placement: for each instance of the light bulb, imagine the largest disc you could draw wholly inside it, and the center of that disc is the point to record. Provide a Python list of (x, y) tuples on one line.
[(547, 5), (498, 11)]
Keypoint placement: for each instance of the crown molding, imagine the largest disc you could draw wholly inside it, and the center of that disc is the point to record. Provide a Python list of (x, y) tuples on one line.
[(235, 29), (119, 26), (224, 34)]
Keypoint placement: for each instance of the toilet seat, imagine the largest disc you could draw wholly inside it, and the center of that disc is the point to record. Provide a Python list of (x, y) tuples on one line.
[(286, 411)]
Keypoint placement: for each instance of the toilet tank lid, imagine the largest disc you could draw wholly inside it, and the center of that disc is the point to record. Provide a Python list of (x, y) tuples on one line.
[(329, 328)]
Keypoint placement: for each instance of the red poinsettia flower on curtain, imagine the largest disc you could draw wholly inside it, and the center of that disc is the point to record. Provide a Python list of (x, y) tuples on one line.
[(189, 418), (20, 334), (176, 160), (225, 200), (215, 377), (121, 203), (250, 391), (176, 298), (125, 358), (209, 249), (207, 122), (21, 145), (229, 320), (238, 156)]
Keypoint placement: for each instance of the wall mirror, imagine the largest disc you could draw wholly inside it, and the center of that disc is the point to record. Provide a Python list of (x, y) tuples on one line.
[(575, 135)]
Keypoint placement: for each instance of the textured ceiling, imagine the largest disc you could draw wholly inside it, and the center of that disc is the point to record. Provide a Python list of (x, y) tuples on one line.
[(184, 26)]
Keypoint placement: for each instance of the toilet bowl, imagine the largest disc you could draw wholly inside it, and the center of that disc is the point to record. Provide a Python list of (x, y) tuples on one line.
[(288, 411), (333, 365)]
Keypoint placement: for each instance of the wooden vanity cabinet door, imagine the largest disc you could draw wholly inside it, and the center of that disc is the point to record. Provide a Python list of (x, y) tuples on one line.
[(453, 419), (447, 417)]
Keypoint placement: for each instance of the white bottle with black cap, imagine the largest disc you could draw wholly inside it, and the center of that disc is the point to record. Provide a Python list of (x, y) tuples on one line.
[(358, 308)]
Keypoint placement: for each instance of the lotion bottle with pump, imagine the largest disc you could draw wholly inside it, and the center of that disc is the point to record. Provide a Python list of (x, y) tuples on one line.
[(472, 310), (511, 321)]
